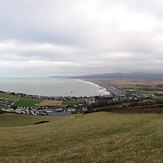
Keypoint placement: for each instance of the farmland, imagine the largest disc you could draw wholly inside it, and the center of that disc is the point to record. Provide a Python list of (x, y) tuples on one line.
[(50, 103), (98, 137), (59, 102), (126, 83)]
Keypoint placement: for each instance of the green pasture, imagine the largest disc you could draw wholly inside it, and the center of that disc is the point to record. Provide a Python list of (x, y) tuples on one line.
[(71, 102), (22, 102), (159, 98)]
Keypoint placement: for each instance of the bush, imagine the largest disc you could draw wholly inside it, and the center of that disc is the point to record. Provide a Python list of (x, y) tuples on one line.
[(1, 112)]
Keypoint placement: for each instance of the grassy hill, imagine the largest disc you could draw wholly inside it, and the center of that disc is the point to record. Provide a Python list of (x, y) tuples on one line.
[(15, 120), (98, 137)]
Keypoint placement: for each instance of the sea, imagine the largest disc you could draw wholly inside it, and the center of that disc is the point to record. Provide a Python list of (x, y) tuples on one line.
[(52, 87)]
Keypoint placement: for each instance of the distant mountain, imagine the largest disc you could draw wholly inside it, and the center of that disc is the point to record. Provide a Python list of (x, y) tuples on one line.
[(61, 77), (123, 76)]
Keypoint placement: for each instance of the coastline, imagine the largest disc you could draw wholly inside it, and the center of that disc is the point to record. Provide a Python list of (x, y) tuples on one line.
[(100, 87), (108, 86)]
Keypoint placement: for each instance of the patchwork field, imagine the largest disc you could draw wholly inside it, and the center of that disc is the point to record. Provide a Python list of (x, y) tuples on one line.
[(98, 137), (59, 103), (125, 83)]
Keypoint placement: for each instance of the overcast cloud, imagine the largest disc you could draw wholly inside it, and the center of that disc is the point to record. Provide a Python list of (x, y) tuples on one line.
[(74, 37)]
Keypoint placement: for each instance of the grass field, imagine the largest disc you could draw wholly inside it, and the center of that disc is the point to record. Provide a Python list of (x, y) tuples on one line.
[(98, 137), (129, 86), (23, 102), (27, 102), (144, 92), (70, 102), (14, 120), (159, 98), (50, 103)]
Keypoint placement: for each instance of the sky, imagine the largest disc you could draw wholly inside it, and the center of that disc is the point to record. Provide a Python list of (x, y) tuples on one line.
[(41, 38)]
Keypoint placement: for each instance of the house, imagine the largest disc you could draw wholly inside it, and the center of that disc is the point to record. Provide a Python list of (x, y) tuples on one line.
[(104, 100), (71, 109)]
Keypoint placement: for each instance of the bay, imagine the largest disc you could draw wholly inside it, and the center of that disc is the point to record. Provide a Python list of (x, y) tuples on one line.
[(52, 87)]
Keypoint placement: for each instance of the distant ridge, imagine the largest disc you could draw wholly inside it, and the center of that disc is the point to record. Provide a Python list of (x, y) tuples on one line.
[(123, 76), (61, 77)]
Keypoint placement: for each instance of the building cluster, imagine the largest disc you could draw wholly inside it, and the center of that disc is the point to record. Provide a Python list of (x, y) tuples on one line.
[(46, 110), (25, 110), (6, 102)]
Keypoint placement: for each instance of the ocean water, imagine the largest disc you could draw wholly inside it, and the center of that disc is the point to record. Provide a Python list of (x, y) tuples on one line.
[(52, 87)]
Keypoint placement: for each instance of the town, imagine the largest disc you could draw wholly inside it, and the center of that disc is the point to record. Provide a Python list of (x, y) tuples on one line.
[(119, 97)]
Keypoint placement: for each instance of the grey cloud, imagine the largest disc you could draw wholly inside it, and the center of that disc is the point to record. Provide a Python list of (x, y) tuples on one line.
[(80, 37)]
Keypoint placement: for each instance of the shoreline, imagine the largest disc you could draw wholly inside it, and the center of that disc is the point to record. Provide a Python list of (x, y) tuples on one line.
[(106, 84), (100, 87)]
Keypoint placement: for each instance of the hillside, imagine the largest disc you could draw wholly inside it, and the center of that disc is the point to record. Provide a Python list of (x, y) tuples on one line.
[(124, 76), (98, 137)]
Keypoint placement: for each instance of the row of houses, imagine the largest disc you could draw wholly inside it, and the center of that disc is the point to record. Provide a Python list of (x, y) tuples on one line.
[(61, 98), (46, 110), (25, 110)]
